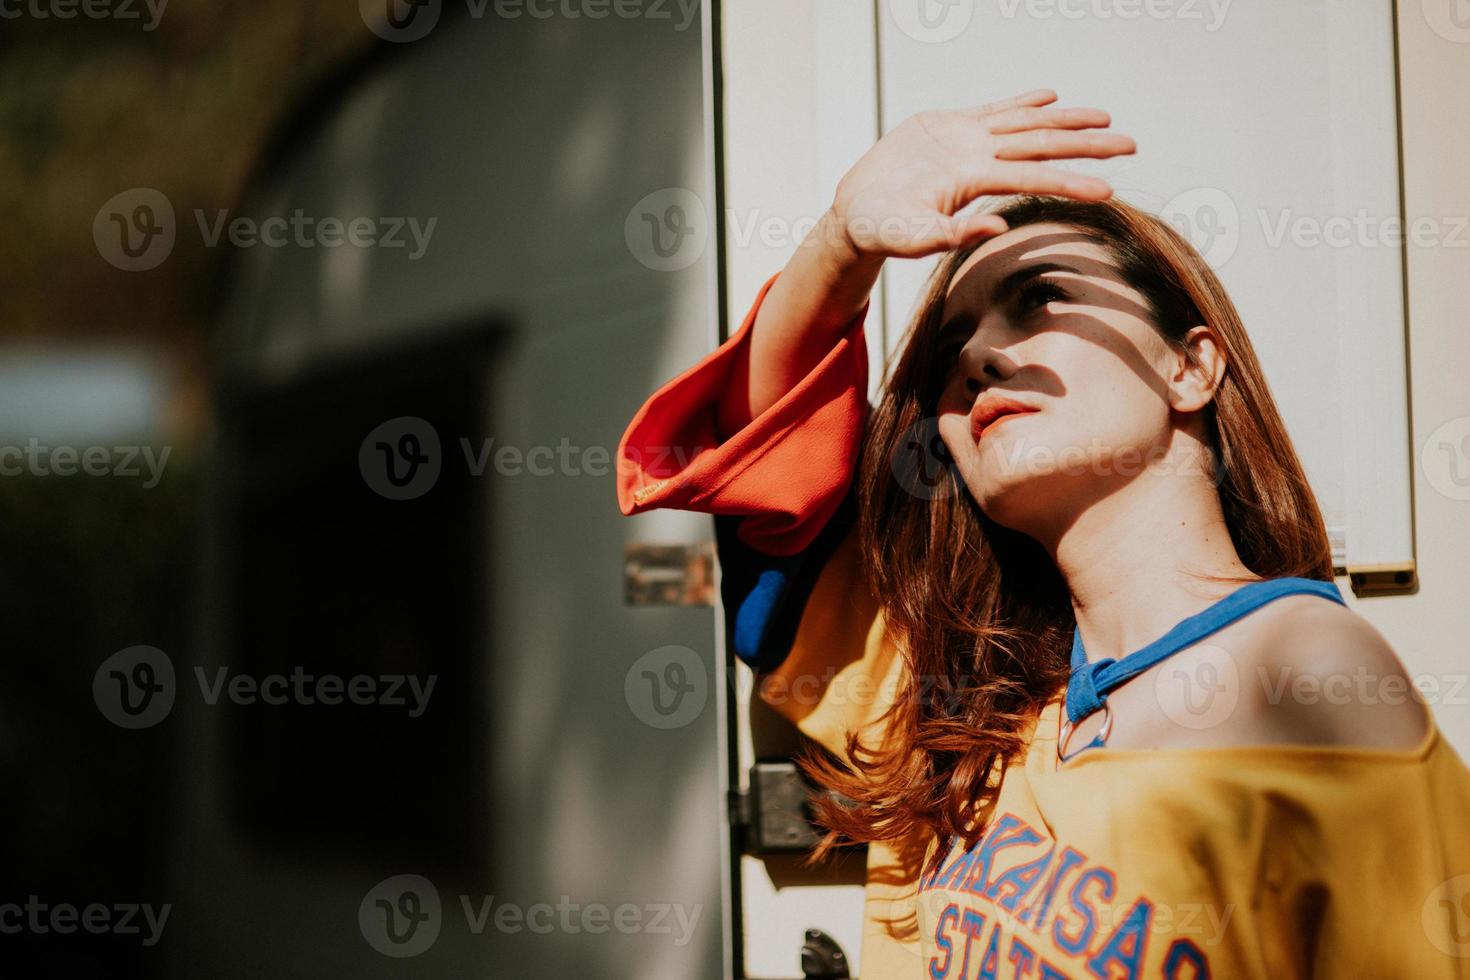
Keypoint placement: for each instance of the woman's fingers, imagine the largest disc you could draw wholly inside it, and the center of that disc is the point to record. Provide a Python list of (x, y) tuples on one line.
[(945, 231), (943, 159), (961, 230), (1006, 177), (1036, 97), (1034, 117), (1052, 144)]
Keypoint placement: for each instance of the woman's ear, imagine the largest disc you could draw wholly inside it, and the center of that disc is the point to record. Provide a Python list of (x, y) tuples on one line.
[(1195, 379)]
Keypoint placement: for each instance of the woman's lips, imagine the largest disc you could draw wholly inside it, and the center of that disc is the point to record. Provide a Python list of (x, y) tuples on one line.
[(995, 422), (993, 406), (1001, 418)]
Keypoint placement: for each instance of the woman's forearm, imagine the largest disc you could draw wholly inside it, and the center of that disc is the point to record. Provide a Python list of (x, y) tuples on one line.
[(822, 287)]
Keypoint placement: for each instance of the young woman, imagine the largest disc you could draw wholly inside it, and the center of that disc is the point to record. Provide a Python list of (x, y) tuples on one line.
[(1060, 606)]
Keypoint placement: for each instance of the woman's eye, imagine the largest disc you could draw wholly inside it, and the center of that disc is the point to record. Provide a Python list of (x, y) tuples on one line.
[(1042, 292)]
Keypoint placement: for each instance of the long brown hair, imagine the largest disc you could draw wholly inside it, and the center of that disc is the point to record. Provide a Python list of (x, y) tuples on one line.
[(979, 612)]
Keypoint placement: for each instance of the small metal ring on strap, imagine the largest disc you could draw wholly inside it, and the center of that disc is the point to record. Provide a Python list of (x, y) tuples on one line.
[(1099, 739)]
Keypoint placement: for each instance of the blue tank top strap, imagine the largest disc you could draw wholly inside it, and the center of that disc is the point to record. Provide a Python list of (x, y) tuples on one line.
[(1089, 684)]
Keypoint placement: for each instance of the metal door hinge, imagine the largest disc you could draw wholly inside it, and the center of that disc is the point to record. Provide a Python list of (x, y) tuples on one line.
[(778, 815), (738, 802)]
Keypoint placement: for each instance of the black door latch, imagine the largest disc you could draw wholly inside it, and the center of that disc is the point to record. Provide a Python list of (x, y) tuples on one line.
[(822, 958)]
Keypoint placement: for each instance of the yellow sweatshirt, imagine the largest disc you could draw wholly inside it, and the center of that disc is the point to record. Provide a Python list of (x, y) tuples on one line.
[(1252, 861)]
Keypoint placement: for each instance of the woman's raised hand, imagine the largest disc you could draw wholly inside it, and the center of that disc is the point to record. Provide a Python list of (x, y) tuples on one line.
[(901, 198)]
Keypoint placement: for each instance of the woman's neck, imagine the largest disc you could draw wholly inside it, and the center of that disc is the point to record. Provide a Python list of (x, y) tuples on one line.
[(1131, 560)]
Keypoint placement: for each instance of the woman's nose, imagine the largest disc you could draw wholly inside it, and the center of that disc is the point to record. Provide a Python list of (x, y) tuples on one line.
[(982, 370)]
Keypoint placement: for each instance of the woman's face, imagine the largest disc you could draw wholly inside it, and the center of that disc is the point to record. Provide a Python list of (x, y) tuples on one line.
[(1041, 318)]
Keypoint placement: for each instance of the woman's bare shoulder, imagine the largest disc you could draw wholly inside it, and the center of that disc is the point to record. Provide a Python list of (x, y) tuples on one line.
[(1321, 673)]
